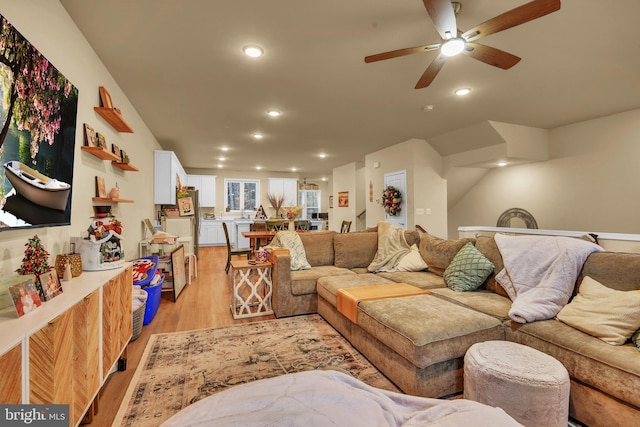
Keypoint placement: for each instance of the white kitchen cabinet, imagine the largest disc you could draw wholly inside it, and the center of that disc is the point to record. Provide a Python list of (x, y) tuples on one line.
[(206, 186), (241, 241), (212, 233), (167, 172), (287, 187)]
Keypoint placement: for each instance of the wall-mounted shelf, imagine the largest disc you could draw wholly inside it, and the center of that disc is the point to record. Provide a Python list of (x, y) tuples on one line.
[(114, 118), (100, 153), (111, 200), (125, 166)]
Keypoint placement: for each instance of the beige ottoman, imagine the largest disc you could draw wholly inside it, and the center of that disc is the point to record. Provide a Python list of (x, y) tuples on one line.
[(529, 385)]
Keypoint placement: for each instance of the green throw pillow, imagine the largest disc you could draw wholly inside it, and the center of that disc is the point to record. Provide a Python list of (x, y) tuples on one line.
[(636, 339), (468, 269)]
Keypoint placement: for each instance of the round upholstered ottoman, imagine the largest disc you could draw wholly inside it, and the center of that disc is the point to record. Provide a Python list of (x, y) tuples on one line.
[(529, 385)]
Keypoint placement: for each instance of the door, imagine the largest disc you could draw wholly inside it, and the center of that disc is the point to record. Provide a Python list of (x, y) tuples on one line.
[(399, 181)]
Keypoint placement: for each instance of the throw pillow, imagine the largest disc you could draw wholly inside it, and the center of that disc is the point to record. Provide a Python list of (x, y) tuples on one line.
[(412, 261), (605, 313), (468, 269), (438, 253), (291, 240)]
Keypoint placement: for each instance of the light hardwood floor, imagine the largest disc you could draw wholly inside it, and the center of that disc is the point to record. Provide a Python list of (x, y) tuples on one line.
[(203, 304)]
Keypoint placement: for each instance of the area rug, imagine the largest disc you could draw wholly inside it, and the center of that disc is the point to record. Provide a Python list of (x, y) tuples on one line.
[(178, 369)]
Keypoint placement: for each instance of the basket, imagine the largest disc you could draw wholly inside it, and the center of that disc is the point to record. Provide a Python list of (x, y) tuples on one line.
[(138, 318), (153, 300)]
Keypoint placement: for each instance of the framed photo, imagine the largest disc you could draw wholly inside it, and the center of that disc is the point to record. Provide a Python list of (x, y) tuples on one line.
[(105, 98), (101, 190), (101, 140), (50, 284), (89, 136), (178, 271), (124, 157), (25, 296), (343, 199), (116, 150)]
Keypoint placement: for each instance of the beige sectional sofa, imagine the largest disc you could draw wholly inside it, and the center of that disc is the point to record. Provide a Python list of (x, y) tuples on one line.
[(419, 341)]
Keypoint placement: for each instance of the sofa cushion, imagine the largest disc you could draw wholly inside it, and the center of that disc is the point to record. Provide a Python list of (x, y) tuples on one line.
[(421, 279), (438, 253), (355, 250), (484, 301), (605, 313), (615, 270), (468, 269), (613, 369), (487, 245), (318, 247), (328, 286), (303, 282), (425, 329)]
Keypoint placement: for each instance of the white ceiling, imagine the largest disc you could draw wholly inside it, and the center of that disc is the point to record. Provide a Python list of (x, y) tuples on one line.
[(181, 66)]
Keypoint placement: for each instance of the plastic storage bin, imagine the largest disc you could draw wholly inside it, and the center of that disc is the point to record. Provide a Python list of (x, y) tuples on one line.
[(154, 292)]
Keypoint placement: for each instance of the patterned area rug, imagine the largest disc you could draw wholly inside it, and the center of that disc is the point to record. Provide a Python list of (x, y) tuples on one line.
[(178, 369)]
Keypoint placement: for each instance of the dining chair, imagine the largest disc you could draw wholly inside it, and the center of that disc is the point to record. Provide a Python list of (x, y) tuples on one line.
[(346, 226), (275, 224), (302, 224), (231, 251)]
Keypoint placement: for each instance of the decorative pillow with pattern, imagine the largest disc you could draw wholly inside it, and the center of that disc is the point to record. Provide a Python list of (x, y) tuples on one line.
[(636, 339), (291, 240), (468, 269), (605, 313)]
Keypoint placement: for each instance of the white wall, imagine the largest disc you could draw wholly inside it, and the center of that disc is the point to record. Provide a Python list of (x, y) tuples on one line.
[(426, 189), (345, 179), (48, 27), (590, 183)]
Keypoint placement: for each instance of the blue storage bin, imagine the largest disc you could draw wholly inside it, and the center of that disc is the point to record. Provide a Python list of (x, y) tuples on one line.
[(153, 300)]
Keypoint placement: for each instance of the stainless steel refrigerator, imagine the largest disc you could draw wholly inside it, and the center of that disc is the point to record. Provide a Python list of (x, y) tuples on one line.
[(186, 226)]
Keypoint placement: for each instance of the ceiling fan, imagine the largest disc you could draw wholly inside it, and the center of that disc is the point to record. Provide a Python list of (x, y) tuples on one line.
[(454, 41)]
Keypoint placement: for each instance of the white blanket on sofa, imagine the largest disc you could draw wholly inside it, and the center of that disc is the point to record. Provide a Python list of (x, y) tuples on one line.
[(540, 273), (330, 398), (392, 247)]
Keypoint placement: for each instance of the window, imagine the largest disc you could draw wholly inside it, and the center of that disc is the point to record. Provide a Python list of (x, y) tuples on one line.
[(242, 194)]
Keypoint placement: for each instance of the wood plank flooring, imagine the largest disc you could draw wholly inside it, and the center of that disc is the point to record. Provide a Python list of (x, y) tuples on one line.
[(202, 304)]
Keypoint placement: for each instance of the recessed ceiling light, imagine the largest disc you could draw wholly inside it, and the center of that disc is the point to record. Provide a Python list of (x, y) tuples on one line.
[(274, 113), (324, 178), (220, 166), (222, 159), (323, 155), (293, 169), (225, 148), (462, 91), (253, 51), (258, 136), (258, 167), (502, 164)]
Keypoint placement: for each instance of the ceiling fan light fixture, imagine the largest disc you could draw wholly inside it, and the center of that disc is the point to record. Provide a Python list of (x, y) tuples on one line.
[(452, 47)]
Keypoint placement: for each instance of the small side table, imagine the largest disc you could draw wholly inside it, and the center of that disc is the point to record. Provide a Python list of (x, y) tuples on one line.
[(252, 289)]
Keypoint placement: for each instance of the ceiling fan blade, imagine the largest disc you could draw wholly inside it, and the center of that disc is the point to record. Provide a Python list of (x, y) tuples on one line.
[(491, 55), (525, 13), (443, 17), (400, 52), (431, 72)]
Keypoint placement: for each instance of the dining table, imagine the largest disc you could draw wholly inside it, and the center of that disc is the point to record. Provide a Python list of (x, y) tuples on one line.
[(256, 237)]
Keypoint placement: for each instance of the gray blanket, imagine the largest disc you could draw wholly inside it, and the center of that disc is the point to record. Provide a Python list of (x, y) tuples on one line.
[(330, 398), (540, 273)]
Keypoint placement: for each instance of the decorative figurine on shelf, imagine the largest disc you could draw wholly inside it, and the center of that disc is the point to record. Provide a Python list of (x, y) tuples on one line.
[(260, 213), (115, 192), (35, 262), (67, 272)]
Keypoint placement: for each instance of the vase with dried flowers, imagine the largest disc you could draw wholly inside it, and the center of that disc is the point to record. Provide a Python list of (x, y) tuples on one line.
[(292, 213), (276, 201)]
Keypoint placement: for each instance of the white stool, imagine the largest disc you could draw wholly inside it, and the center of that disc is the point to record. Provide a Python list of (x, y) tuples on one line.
[(527, 384), (192, 261)]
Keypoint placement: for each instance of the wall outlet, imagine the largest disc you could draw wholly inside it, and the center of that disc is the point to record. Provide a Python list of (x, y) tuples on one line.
[(428, 211), (419, 211)]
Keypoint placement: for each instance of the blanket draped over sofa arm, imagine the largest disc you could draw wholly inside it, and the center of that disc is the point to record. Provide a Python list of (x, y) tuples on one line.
[(540, 273)]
